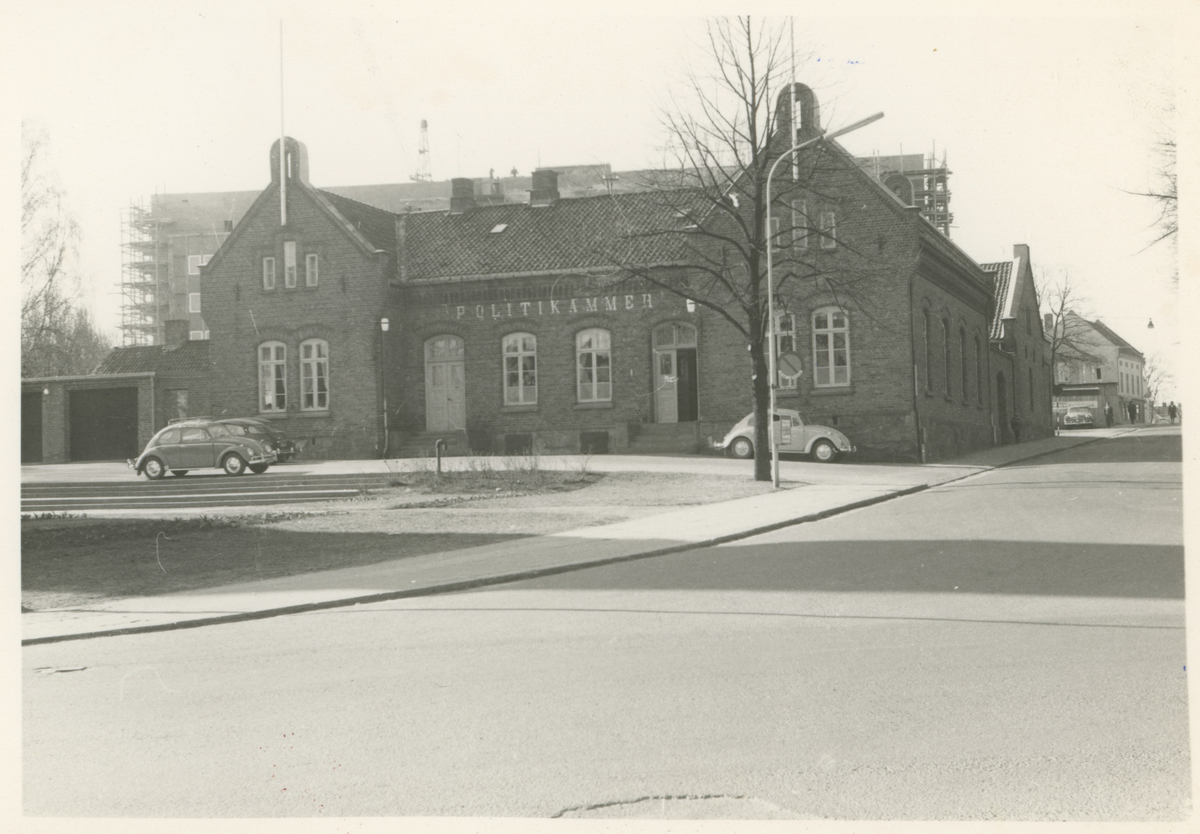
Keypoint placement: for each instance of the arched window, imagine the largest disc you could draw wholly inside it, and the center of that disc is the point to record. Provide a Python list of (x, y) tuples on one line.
[(962, 358), (520, 369), (978, 373), (272, 376), (946, 354), (831, 347), (593, 365), (926, 318), (314, 375)]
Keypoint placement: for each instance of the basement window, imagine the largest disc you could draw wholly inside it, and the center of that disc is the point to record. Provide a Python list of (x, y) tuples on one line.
[(498, 228)]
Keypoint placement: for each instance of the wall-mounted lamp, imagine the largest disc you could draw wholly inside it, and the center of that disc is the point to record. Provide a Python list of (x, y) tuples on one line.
[(45, 392), (384, 323), (1150, 326)]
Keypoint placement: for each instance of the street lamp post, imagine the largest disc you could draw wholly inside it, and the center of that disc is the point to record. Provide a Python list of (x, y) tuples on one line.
[(772, 359), (383, 325)]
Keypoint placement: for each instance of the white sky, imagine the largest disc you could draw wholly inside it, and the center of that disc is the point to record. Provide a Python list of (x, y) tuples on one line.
[(1048, 113)]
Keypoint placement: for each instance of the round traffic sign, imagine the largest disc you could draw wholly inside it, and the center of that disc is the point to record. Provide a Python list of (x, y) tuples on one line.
[(790, 365)]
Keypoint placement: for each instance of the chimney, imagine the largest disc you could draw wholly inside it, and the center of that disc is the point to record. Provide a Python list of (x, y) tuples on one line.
[(462, 195), (545, 187), (175, 332)]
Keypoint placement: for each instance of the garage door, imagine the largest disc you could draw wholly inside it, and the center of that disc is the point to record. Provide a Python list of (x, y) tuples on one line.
[(104, 424), (31, 427)]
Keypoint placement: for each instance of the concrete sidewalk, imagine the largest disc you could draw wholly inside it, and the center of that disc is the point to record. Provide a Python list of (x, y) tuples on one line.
[(671, 531)]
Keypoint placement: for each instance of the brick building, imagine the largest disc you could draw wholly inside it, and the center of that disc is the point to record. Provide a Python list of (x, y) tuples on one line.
[(1100, 369), (112, 413), (1021, 374), (525, 325)]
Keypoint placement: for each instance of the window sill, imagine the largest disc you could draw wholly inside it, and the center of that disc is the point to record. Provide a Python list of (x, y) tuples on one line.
[(516, 409), (832, 391), (589, 406), (290, 415)]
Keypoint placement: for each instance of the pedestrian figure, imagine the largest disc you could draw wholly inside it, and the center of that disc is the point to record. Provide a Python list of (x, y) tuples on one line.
[(1015, 424), (1172, 412), (1108, 415), (1133, 412)]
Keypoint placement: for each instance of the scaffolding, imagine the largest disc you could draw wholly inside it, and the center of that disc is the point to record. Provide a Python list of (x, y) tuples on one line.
[(929, 183), (145, 272)]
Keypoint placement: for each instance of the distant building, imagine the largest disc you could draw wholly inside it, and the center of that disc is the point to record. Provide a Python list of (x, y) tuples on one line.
[(1101, 370)]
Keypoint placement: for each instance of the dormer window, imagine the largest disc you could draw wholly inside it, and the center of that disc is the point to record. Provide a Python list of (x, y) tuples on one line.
[(498, 228)]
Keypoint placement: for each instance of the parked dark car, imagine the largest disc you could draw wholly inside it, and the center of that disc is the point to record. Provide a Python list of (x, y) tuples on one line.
[(202, 444), (285, 449)]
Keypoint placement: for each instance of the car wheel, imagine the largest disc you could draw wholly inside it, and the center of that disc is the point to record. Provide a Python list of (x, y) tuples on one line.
[(153, 469), (823, 451), (234, 464), (742, 448), (258, 468), (179, 473)]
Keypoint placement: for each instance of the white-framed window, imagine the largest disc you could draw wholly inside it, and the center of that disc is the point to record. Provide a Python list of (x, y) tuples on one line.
[(785, 342), (800, 224), (289, 264), (314, 375), (593, 365), (828, 230), (195, 262), (196, 336), (268, 273), (831, 347), (272, 376), (520, 369), (310, 270), (193, 302)]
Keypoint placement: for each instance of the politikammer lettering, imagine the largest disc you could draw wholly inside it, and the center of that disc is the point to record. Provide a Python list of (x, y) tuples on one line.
[(556, 307)]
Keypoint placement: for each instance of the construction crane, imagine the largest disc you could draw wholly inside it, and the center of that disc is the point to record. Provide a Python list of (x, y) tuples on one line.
[(423, 173)]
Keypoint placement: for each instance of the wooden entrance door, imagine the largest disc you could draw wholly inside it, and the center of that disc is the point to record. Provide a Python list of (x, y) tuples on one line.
[(675, 388), (445, 384)]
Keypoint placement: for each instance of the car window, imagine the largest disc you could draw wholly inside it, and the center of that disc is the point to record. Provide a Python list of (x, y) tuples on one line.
[(196, 435), (235, 429), (218, 430), (795, 420), (169, 436)]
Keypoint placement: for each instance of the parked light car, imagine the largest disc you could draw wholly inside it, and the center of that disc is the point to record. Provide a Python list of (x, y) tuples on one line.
[(819, 442), (1078, 417), (202, 444)]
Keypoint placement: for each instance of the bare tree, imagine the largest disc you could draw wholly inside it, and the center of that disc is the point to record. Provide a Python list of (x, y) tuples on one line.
[(1068, 328), (1156, 378), (725, 129), (57, 337)]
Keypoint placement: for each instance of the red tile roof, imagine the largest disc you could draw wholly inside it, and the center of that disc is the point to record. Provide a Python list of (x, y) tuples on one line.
[(187, 357), (580, 233), (1002, 273)]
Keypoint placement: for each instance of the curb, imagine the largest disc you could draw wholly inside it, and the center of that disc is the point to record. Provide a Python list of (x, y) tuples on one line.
[(518, 576), (470, 584)]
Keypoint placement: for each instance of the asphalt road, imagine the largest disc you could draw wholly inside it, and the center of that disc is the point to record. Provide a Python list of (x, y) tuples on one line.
[(1007, 647)]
